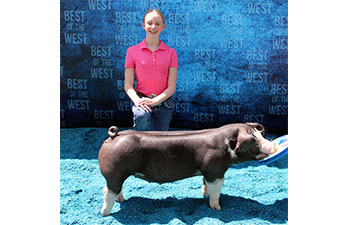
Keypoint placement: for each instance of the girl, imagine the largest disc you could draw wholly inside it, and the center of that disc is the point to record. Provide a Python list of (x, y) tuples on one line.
[(155, 65)]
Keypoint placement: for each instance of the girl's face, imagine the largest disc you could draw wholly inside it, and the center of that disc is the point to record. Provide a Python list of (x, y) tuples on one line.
[(153, 24)]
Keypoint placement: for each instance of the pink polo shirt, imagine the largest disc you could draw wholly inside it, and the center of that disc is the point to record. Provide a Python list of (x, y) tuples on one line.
[(151, 68)]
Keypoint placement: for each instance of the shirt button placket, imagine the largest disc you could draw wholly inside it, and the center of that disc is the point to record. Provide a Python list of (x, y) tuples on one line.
[(154, 58)]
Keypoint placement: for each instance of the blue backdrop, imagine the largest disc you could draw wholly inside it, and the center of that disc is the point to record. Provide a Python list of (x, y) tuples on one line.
[(233, 61)]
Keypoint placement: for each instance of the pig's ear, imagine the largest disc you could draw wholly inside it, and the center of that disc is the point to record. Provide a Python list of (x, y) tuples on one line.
[(257, 126)]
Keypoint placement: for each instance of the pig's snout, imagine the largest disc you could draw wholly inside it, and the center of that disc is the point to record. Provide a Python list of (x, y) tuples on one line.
[(268, 147)]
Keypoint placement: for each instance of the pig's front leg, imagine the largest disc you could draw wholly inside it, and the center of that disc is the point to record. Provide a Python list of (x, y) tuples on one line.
[(204, 189), (213, 190)]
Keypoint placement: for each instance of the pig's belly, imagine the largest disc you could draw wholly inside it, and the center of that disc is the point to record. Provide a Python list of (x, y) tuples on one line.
[(161, 173)]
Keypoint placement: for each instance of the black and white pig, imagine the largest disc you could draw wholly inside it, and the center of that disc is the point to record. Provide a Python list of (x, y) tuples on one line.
[(158, 156)]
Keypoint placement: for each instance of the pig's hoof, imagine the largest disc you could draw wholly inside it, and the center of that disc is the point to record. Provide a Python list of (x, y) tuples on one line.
[(216, 207), (104, 212), (120, 198)]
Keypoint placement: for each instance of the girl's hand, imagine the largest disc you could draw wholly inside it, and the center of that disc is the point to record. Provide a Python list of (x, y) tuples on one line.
[(146, 103)]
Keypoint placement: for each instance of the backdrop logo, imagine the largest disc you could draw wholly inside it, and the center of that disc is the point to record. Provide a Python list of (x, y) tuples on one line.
[(233, 61)]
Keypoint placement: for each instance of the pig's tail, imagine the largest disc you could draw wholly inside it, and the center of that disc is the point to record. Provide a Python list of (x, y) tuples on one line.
[(113, 131)]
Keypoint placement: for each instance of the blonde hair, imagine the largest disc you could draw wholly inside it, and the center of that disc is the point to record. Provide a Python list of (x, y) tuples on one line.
[(154, 10)]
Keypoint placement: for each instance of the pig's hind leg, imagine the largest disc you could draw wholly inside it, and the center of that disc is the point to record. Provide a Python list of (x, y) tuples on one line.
[(108, 203), (112, 192)]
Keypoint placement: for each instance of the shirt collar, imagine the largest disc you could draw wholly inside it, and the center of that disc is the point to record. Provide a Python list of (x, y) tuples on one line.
[(143, 45)]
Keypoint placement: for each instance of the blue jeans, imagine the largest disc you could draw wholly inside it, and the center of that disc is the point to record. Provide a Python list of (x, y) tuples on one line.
[(158, 120)]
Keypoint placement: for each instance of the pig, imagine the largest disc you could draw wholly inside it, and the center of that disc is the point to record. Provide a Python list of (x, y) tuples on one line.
[(159, 156)]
